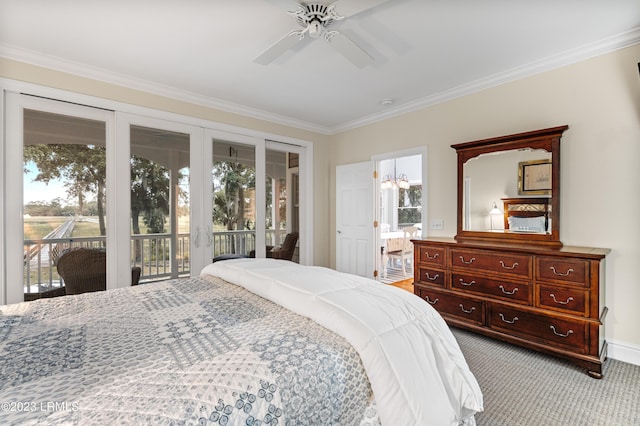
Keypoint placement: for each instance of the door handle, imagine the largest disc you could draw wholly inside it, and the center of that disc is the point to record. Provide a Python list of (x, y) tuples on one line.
[(196, 240)]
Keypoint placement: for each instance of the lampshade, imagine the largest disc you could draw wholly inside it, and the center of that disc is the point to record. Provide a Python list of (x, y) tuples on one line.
[(495, 211)]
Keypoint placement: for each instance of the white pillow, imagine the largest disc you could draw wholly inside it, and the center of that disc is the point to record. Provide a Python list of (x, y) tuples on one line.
[(527, 224)]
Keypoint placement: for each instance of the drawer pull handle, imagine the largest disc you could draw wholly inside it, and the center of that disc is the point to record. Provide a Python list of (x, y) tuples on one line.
[(560, 334), (465, 311), (430, 278), (514, 266), (429, 301), (560, 274), (466, 284), (509, 292), (469, 262), (507, 321), (553, 296), (435, 256)]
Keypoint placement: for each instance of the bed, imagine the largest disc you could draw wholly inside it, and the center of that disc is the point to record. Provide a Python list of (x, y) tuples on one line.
[(527, 214), (249, 342)]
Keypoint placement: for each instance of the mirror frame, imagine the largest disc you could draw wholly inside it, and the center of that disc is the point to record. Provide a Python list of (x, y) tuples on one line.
[(547, 139)]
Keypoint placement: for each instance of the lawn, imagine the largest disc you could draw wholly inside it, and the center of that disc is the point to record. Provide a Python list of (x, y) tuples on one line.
[(85, 228), (36, 228)]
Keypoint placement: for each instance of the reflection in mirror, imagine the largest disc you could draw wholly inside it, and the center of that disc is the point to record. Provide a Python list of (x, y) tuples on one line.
[(488, 179), (488, 173)]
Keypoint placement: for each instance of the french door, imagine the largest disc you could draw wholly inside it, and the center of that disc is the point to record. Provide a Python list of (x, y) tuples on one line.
[(284, 172), (254, 190), (163, 231), (152, 200), (234, 165), (46, 141)]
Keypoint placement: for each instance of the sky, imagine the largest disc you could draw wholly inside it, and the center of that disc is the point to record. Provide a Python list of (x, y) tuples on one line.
[(39, 191)]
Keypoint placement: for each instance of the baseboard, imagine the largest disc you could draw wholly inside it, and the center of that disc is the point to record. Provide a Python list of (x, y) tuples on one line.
[(624, 352)]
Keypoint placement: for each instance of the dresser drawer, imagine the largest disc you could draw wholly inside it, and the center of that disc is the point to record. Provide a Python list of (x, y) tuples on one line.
[(431, 255), (513, 291), (451, 305), (562, 270), (545, 329), (571, 300), (496, 262), (430, 276)]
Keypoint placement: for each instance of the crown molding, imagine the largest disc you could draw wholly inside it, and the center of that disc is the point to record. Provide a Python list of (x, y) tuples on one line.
[(549, 63), (98, 74)]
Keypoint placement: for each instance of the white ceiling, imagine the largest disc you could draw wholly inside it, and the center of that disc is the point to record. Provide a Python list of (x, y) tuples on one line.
[(425, 51)]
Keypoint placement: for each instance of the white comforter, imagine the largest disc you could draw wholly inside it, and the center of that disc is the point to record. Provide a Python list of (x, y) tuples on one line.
[(416, 369)]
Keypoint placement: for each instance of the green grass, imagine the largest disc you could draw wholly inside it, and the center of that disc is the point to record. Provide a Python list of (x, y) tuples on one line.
[(36, 228), (86, 229)]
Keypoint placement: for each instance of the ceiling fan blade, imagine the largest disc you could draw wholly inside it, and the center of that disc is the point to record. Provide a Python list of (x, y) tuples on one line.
[(281, 46), (348, 8), (350, 50)]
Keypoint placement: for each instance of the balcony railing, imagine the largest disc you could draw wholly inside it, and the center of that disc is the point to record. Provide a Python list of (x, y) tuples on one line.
[(151, 252)]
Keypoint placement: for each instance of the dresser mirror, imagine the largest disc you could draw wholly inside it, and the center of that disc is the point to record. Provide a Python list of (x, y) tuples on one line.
[(509, 188)]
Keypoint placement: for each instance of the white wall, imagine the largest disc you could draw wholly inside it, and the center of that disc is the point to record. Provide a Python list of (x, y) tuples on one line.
[(600, 101)]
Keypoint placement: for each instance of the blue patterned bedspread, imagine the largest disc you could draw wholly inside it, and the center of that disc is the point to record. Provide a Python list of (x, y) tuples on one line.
[(194, 351)]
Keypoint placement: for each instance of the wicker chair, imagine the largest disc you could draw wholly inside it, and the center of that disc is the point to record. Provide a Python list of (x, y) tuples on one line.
[(286, 250), (282, 252), (85, 270)]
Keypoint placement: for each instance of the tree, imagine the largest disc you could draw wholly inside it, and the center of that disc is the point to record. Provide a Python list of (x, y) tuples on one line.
[(410, 205), (229, 195), (150, 196), (51, 208), (82, 167)]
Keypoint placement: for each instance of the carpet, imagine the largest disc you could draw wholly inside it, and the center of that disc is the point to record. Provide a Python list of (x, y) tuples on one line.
[(522, 387)]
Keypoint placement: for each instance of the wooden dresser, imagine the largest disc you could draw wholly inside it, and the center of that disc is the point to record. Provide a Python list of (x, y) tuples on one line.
[(546, 299)]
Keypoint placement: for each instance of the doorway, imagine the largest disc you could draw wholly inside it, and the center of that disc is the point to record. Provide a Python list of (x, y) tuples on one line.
[(364, 210), (400, 214)]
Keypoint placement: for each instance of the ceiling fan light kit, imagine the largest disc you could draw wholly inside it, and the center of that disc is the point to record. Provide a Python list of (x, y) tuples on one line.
[(315, 18)]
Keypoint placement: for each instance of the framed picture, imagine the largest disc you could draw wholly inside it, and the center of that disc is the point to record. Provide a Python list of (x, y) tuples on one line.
[(534, 177)]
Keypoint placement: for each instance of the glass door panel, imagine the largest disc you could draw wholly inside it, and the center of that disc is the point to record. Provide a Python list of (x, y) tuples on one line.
[(233, 219), (282, 209), (64, 195), (160, 213)]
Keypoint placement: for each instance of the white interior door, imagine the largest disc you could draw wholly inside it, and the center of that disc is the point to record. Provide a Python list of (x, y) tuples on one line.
[(355, 207)]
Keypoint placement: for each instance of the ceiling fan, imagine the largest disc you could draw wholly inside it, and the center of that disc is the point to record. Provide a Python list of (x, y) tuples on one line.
[(314, 19)]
